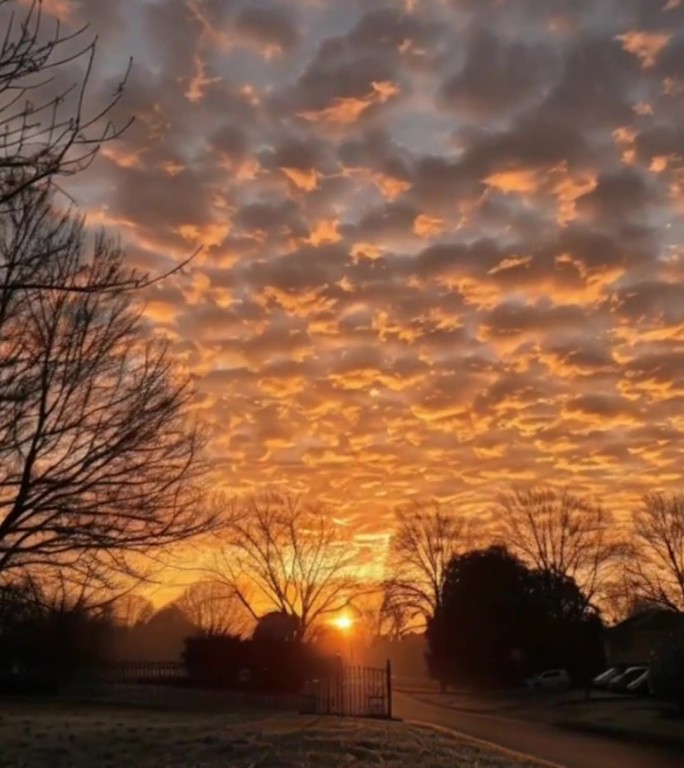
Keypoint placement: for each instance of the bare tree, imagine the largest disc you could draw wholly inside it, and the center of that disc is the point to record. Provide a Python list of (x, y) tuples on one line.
[(68, 590), (214, 608), (286, 555), (425, 539), (563, 533), (47, 131), (131, 610), (654, 566), (381, 615), (96, 453)]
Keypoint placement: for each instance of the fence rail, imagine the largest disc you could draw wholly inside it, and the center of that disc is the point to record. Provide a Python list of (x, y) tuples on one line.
[(345, 691), (161, 696), (351, 692), (131, 671)]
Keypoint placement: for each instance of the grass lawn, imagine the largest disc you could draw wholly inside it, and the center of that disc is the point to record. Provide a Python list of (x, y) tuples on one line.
[(37, 736), (624, 715)]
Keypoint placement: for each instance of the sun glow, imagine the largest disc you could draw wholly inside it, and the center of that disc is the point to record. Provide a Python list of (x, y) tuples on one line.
[(343, 623)]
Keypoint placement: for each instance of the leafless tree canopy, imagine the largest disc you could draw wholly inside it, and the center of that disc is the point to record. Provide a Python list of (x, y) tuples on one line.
[(425, 539), (282, 554), (563, 533), (214, 608), (131, 610), (45, 128), (48, 131), (381, 616), (655, 566), (96, 454)]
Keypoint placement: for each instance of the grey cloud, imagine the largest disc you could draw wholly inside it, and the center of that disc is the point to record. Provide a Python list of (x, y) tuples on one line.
[(598, 85), (652, 301), (659, 140), (600, 405), (620, 196), (513, 319), (299, 153), (535, 140), (273, 219), (306, 268), (391, 220), (273, 25), (499, 77), (458, 259), (665, 366), (147, 197), (591, 359)]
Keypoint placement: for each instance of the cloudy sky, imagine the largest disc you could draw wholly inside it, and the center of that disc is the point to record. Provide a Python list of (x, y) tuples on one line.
[(442, 238)]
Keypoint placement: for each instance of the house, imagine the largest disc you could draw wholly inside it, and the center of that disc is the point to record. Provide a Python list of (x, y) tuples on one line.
[(633, 641)]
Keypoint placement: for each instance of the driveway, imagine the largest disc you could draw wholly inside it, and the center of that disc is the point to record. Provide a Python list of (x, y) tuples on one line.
[(566, 749)]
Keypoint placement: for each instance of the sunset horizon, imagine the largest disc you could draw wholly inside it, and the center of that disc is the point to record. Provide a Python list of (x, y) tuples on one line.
[(342, 383)]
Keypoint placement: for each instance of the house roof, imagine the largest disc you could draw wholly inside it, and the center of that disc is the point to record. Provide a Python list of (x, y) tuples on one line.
[(651, 620)]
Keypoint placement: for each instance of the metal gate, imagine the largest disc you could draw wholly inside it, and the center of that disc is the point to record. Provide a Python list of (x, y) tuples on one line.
[(350, 692)]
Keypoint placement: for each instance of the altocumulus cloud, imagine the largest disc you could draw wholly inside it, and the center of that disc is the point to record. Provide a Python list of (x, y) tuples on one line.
[(442, 238)]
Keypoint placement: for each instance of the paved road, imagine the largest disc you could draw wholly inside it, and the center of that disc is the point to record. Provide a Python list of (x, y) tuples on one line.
[(568, 749)]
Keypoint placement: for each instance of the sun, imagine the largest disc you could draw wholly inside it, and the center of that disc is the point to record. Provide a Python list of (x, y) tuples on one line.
[(343, 623)]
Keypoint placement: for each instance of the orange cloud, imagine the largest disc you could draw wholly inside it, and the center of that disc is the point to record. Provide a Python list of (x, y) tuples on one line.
[(522, 181), (568, 189), (366, 251), (207, 236), (199, 82), (427, 226), (122, 157), (348, 110), (282, 387), (391, 188), (646, 46), (302, 179), (324, 232)]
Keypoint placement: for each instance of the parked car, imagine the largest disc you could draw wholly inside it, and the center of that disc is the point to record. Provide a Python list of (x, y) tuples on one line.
[(602, 680), (550, 680), (621, 682), (639, 686)]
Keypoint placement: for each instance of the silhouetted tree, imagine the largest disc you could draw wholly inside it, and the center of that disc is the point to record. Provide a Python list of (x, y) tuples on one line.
[(50, 630), (162, 637), (425, 539), (278, 626), (51, 127), (47, 130), (499, 621), (654, 566), (18, 607), (97, 457), (563, 533), (388, 617), (214, 608), (94, 453), (131, 610), (479, 622), (280, 552)]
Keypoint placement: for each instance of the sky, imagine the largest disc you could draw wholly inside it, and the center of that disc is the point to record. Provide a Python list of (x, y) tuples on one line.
[(442, 239)]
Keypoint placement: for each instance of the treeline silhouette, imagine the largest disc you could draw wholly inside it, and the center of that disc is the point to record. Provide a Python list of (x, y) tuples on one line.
[(497, 619)]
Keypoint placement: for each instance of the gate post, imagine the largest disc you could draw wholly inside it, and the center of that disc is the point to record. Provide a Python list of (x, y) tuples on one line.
[(388, 682)]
